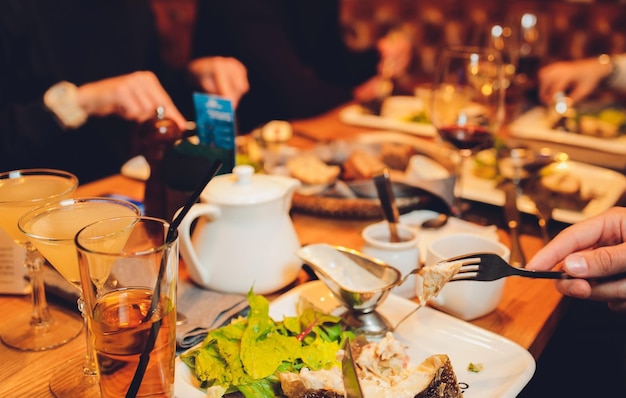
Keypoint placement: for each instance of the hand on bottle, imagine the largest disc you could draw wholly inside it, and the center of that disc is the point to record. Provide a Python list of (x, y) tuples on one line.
[(135, 96), (223, 76)]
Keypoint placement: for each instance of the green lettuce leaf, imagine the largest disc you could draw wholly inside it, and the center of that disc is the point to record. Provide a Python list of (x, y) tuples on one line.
[(247, 354)]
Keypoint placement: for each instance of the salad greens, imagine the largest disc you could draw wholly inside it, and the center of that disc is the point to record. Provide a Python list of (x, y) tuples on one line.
[(247, 354)]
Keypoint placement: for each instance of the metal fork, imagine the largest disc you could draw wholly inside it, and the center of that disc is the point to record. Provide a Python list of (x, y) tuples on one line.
[(490, 267)]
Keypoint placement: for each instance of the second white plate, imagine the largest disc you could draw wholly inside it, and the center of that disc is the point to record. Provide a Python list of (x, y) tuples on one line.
[(357, 116), (606, 186)]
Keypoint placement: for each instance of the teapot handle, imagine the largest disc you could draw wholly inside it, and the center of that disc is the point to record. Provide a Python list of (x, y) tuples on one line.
[(192, 262)]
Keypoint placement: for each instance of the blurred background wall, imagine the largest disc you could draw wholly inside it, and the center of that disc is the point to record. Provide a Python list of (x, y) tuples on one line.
[(573, 29)]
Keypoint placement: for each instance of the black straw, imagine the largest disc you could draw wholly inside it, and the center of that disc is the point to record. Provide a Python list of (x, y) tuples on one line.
[(156, 326)]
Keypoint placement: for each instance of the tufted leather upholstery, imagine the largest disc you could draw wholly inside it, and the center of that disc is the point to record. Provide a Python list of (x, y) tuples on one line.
[(574, 29)]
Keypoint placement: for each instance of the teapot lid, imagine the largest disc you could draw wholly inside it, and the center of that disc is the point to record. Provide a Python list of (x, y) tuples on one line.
[(243, 187)]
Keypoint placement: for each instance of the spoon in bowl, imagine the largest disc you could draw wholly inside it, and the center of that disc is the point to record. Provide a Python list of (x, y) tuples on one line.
[(388, 203), (435, 222)]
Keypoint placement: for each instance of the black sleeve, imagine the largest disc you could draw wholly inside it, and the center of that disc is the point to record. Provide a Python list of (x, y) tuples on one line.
[(296, 59)]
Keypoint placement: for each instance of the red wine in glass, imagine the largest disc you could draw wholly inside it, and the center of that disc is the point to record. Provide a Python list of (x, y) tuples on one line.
[(467, 137)]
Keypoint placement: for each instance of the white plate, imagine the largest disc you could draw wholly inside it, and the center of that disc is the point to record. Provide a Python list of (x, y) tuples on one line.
[(535, 125), (507, 366), (606, 186), (356, 115)]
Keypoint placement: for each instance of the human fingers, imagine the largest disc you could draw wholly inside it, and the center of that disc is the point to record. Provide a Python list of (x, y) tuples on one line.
[(230, 79), (617, 306), (581, 90), (614, 293), (611, 290), (139, 94), (224, 76), (605, 229), (601, 262), (147, 94), (551, 81)]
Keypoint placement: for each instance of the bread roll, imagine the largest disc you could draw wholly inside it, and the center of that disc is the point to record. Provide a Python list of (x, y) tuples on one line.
[(361, 165), (310, 170)]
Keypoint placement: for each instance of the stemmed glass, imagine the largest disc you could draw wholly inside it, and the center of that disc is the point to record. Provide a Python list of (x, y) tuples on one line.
[(467, 103), (528, 45), (51, 228), (46, 326)]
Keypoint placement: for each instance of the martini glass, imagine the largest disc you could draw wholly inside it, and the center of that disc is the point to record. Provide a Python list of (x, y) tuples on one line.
[(467, 106), (46, 326), (51, 228)]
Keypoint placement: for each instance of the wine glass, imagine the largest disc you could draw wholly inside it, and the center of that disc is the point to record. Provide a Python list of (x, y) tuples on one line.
[(46, 326), (467, 103), (528, 45), (51, 229)]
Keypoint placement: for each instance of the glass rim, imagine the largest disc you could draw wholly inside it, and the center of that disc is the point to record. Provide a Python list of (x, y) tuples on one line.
[(157, 249), (17, 173), (50, 207)]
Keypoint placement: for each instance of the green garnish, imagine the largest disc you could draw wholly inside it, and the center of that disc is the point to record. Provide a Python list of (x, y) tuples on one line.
[(475, 367), (418, 117), (247, 354)]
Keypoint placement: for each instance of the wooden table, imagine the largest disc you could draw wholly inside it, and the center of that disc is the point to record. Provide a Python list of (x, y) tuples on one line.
[(527, 314)]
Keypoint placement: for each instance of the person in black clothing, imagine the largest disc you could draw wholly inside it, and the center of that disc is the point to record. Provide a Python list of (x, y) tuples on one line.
[(586, 356), (78, 76), (298, 64)]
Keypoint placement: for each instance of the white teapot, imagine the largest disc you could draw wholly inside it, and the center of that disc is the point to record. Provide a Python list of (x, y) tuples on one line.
[(244, 238)]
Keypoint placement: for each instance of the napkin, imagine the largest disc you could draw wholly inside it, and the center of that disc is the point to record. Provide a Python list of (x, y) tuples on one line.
[(204, 310)]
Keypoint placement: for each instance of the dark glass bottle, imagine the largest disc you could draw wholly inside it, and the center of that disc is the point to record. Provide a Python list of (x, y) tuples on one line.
[(154, 138)]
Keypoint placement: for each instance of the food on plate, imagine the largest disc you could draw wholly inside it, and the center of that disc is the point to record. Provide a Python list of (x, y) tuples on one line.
[(276, 131), (485, 164), (301, 356), (311, 170), (559, 187), (561, 182), (361, 165), (591, 125), (475, 367), (601, 122), (433, 277), (404, 108), (383, 370), (396, 155), (247, 354)]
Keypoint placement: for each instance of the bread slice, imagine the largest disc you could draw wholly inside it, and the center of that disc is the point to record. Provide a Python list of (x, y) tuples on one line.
[(310, 170), (361, 165), (433, 278)]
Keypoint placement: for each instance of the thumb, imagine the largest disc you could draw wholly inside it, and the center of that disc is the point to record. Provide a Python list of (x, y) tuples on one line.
[(600, 262)]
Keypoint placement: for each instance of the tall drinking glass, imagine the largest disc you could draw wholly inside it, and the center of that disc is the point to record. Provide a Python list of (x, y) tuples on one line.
[(129, 271), (21, 191), (467, 106), (51, 229)]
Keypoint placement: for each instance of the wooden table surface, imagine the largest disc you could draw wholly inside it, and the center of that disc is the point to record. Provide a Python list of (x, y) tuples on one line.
[(527, 314)]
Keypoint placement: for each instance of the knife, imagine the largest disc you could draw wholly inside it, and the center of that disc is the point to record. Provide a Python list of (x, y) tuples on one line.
[(513, 220), (348, 368)]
